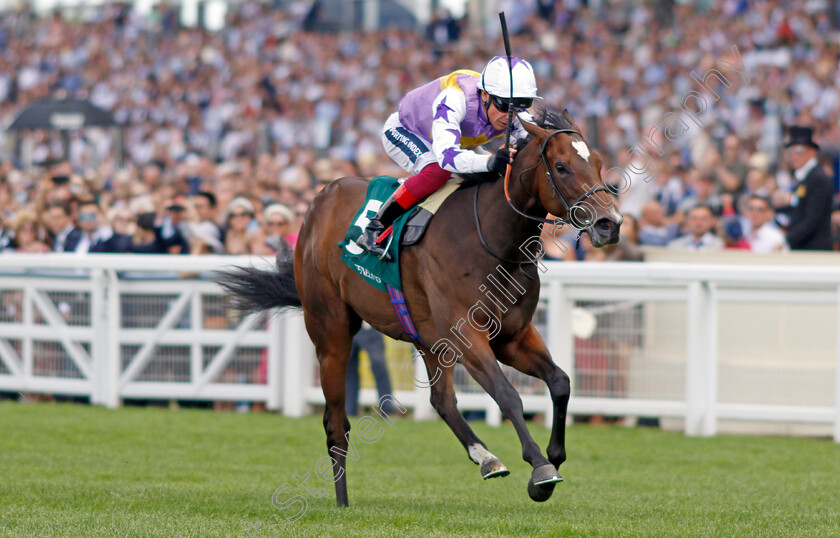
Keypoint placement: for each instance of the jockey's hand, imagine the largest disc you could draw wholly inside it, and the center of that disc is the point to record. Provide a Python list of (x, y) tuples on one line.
[(498, 162)]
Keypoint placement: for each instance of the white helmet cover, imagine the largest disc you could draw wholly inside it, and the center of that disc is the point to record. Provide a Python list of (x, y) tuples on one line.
[(495, 79)]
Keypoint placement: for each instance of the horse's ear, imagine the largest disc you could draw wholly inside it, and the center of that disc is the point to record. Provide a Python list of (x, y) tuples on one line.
[(566, 115), (534, 130)]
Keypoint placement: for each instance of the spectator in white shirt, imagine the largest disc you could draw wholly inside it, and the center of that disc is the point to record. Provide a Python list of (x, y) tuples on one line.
[(764, 236), (698, 226)]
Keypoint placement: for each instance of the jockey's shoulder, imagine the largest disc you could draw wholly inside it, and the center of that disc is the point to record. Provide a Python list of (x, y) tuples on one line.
[(455, 79)]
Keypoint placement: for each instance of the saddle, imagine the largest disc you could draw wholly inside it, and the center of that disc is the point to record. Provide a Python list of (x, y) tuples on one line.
[(408, 228), (422, 215)]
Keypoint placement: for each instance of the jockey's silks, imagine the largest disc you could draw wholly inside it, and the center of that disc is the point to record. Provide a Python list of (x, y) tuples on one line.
[(475, 127), (449, 113)]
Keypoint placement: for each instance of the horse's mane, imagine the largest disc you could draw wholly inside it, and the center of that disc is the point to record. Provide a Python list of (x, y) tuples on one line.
[(545, 117), (551, 119)]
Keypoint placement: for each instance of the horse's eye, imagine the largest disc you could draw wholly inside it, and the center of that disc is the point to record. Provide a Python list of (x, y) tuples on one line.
[(560, 168)]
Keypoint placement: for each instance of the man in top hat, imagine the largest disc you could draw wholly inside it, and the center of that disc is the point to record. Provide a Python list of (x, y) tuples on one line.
[(810, 202)]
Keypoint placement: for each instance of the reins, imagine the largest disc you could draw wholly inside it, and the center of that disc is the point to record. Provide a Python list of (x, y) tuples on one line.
[(554, 186)]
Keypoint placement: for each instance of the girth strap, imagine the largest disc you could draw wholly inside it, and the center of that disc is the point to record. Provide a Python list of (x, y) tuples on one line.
[(398, 300)]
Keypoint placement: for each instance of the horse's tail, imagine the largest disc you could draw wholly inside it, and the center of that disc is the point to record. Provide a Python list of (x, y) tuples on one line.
[(254, 290)]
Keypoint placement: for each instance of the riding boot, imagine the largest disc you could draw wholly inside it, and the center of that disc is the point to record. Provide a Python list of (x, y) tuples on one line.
[(388, 213)]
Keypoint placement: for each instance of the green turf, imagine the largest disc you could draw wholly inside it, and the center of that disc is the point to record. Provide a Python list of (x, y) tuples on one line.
[(69, 470)]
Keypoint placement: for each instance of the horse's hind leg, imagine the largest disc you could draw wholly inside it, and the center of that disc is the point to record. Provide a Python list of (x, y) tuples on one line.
[(331, 330), (444, 401)]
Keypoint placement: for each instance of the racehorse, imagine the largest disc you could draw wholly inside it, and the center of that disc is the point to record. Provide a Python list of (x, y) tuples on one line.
[(443, 279)]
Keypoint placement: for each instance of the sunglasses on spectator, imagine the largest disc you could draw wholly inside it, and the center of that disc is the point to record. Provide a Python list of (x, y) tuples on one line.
[(757, 208), (519, 103), (240, 214), (276, 223), (796, 150), (87, 217)]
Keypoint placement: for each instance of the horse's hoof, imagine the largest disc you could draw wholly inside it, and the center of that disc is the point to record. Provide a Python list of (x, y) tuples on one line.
[(493, 468), (542, 481)]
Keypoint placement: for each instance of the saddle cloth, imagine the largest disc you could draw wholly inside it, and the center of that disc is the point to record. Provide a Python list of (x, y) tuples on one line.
[(408, 230)]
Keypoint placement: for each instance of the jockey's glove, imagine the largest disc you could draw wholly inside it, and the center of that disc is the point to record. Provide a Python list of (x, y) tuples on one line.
[(498, 162), (521, 143)]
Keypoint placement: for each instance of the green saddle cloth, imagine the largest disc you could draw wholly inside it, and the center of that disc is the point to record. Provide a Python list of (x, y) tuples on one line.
[(379, 273)]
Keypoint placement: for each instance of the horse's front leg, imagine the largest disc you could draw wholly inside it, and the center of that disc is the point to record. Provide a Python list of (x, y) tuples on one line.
[(528, 353), (480, 362), (445, 403)]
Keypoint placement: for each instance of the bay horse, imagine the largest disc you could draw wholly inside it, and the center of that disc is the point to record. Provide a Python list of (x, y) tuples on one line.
[(478, 230)]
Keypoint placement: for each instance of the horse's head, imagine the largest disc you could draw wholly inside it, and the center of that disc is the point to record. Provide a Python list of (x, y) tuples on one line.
[(568, 179)]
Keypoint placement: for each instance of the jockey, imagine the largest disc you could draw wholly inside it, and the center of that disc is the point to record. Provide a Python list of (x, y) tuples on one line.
[(437, 127)]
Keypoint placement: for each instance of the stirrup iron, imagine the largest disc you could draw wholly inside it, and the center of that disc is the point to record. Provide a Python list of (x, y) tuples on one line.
[(384, 254)]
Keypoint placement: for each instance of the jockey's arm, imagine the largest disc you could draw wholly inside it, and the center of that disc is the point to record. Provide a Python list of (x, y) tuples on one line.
[(450, 109), (518, 132)]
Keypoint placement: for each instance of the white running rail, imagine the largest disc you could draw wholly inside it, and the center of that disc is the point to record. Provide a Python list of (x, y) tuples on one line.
[(700, 343)]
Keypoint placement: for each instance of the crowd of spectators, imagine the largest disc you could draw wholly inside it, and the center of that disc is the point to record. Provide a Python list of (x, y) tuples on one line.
[(229, 135)]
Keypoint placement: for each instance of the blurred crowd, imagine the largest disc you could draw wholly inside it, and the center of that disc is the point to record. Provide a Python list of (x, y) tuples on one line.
[(229, 135)]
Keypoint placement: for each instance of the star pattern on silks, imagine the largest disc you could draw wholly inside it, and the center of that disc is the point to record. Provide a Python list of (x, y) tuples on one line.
[(449, 155), (442, 110), (457, 134)]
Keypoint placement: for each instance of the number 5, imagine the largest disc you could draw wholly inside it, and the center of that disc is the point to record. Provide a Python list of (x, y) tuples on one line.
[(361, 223)]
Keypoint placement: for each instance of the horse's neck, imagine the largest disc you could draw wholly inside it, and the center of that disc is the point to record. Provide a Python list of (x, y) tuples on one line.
[(506, 230)]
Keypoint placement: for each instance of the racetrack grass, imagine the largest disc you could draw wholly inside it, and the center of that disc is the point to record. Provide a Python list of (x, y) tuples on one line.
[(72, 470)]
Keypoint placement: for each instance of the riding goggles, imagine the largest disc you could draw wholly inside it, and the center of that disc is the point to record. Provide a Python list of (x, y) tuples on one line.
[(519, 103)]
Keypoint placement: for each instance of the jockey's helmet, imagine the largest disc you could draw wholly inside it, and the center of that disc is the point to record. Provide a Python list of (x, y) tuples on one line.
[(495, 80)]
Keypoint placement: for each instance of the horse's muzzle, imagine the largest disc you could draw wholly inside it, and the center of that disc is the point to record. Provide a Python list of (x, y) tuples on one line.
[(605, 231)]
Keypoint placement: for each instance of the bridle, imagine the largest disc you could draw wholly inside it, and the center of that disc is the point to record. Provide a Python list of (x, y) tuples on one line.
[(550, 175), (569, 207)]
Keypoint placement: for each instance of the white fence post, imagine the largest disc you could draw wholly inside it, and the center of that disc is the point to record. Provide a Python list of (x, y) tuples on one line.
[(99, 340), (494, 414), (28, 346), (837, 377), (274, 350), (423, 409), (111, 397), (694, 359), (701, 360), (708, 426), (196, 351), (297, 365)]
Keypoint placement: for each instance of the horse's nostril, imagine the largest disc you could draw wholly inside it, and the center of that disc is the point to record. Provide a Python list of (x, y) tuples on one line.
[(603, 224)]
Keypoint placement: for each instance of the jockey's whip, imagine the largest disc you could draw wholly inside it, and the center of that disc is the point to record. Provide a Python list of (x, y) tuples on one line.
[(510, 103)]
